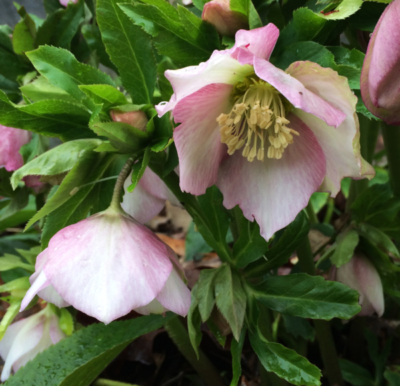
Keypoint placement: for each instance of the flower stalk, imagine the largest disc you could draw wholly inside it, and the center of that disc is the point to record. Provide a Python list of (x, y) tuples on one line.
[(115, 201), (322, 327)]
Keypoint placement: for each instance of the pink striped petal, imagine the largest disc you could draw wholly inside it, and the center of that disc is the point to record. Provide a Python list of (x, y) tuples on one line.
[(341, 146), (198, 139), (274, 191)]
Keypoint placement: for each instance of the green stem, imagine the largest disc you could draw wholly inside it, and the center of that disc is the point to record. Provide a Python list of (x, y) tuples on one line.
[(391, 137), (235, 224), (178, 333), (329, 210), (311, 214), (194, 209), (322, 327), (109, 382), (116, 197)]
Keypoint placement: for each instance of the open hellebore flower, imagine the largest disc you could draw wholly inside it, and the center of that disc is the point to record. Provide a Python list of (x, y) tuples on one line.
[(267, 138), (11, 140), (380, 81), (361, 275), (226, 21), (28, 337), (148, 198), (108, 265)]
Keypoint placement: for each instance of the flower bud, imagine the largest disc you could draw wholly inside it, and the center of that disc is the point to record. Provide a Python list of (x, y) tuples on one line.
[(361, 275), (136, 119), (11, 140), (28, 337), (65, 2), (226, 21)]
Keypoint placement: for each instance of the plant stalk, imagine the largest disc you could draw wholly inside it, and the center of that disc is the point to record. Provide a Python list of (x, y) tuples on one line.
[(116, 197), (322, 327), (178, 333), (109, 382), (391, 137)]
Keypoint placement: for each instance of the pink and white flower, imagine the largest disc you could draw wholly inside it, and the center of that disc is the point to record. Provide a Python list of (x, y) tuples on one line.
[(226, 21), (108, 265), (11, 140), (28, 337), (148, 198), (380, 81), (65, 2), (360, 275), (267, 138)]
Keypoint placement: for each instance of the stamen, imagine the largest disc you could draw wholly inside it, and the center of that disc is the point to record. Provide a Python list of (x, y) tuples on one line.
[(257, 118)]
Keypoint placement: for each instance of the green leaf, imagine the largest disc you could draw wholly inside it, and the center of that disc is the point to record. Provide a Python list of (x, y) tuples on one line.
[(230, 299), (8, 262), (195, 245), (298, 327), (285, 362), (130, 50), (11, 313), (307, 297), (62, 70), (392, 377), (250, 245), (23, 35), (236, 351), (177, 33), (346, 243), (194, 323), (78, 360), (66, 322), (51, 6), (21, 283), (355, 374), (205, 292), (138, 169), (61, 26), (345, 9), (104, 94), (280, 253), (57, 160), (78, 176), (54, 118)]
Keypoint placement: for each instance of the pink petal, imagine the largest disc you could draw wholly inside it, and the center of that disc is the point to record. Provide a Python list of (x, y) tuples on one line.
[(40, 282), (380, 82), (297, 94), (341, 146), (259, 41), (198, 139), (175, 296), (56, 334), (9, 337), (11, 140), (220, 68), (274, 191), (107, 265)]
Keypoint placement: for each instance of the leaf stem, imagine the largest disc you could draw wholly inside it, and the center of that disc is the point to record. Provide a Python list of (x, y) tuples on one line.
[(322, 327), (116, 197), (179, 335), (311, 214), (109, 382), (391, 138)]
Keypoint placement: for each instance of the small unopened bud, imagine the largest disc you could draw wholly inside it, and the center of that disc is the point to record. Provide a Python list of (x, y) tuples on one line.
[(361, 275), (136, 119), (65, 2), (226, 21)]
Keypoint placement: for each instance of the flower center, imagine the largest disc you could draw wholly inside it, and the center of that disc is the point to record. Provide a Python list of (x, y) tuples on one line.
[(256, 121)]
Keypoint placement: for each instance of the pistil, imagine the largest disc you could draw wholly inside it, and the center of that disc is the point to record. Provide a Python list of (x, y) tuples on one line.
[(257, 120)]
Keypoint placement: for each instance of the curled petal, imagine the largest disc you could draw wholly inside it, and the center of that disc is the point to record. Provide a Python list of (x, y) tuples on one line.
[(197, 139), (341, 146), (380, 82), (274, 191)]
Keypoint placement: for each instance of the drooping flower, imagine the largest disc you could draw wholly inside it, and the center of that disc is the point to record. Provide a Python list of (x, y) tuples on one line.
[(28, 337), (226, 21), (267, 138), (361, 275), (148, 198), (380, 82), (11, 140), (108, 265)]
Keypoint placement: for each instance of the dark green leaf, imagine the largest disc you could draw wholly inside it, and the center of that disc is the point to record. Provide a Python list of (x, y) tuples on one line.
[(230, 299), (129, 49), (138, 169), (392, 377), (355, 374), (205, 292), (194, 323), (285, 363), (298, 327), (80, 358), (280, 253), (307, 297), (346, 243), (23, 36), (195, 245), (236, 351)]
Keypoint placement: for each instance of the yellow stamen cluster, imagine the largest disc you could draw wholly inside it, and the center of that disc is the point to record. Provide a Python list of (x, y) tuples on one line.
[(257, 120)]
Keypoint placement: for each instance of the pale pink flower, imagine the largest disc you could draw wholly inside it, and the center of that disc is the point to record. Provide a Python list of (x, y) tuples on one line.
[(28, 337), (65, 2), (11, 140), (380, 81), (226, 21), (267, 138), (361, 275), (108, 265), (148, 198)]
